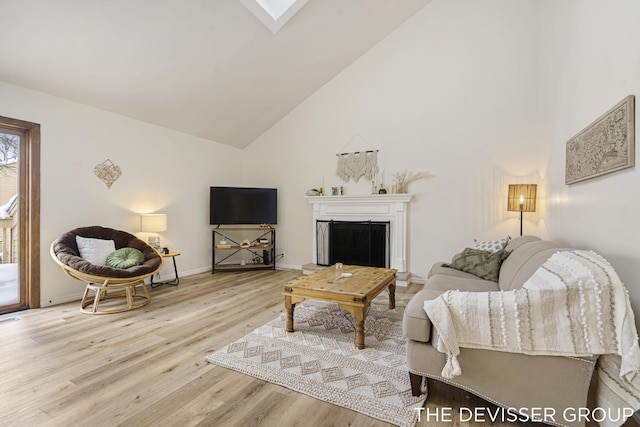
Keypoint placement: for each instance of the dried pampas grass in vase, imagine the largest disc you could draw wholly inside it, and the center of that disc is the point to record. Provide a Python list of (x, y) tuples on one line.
[(403, 179)]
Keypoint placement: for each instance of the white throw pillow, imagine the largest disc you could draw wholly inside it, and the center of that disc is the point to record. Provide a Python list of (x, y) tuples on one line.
[(491, 245), (95, 250)]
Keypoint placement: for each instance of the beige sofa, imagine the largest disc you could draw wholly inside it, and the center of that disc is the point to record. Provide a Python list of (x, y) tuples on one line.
[(559, 385)]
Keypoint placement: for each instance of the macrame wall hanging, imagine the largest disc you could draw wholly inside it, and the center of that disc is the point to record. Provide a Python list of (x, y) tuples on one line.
[(357, 164)]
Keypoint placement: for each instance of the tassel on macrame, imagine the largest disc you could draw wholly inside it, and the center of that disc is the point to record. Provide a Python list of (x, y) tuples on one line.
[(452, 367)]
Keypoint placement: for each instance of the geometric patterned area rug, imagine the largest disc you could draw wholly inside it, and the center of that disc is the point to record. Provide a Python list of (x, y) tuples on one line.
[(320, 359)]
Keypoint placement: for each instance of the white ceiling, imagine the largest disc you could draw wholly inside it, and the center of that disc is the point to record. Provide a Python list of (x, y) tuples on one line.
[(208, 68)]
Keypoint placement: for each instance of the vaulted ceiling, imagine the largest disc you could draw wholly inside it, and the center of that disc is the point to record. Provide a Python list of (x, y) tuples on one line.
[(208, 68)]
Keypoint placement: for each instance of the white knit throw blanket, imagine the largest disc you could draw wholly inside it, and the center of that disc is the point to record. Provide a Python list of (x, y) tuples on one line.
[(573, 305)]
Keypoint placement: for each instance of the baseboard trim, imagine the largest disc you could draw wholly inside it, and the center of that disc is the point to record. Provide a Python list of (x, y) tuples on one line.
[(186, 273), (61, 300), (280, 266), (418, 280)]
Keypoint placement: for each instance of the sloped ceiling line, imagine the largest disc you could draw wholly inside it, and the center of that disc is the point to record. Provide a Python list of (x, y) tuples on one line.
[(208, 69)]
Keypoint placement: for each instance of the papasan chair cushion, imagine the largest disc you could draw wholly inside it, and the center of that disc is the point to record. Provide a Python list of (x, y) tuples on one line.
[(66, 250), (125, 258)]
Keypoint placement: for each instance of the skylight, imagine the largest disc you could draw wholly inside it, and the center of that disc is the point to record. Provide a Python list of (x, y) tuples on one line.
[(274, 13), (275, 8)]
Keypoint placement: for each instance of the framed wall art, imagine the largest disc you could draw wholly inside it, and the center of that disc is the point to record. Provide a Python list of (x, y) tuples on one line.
[(606, 145)]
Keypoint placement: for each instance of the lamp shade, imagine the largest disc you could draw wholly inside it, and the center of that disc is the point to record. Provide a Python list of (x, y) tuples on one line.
[(153, 223), (522, 197)]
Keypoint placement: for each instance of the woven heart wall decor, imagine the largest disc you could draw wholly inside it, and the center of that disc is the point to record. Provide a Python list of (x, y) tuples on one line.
[(107, 172)]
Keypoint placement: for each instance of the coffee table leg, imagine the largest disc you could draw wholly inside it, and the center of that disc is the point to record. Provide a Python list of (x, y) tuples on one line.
[(359, 315), (392, 295), (290, 307)]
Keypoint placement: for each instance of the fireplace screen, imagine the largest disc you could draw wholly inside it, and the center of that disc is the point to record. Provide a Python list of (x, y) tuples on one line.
[(353, 242)]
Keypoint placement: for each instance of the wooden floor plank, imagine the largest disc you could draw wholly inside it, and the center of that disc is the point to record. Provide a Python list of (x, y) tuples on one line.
[(147, 367)]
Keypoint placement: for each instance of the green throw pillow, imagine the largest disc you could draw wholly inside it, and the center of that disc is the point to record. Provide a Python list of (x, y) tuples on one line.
[(125, 258), (483, 264)]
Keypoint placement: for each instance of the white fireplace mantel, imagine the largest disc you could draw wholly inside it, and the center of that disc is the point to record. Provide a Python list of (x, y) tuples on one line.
[(372, 207)]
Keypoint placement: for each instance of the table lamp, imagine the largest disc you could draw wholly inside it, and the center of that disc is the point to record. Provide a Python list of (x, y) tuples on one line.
[(153, 223)]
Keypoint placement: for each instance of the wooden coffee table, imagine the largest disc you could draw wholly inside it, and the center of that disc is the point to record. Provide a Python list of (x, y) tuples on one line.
[(353, 294)]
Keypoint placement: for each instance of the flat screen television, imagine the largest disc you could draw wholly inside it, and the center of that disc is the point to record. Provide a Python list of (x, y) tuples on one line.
[(242, 205)]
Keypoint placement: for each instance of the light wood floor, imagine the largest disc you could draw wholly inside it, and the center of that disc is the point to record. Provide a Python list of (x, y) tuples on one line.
[(59, 367)]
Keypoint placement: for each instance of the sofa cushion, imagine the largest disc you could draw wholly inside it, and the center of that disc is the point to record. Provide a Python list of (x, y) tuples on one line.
[(444, 268), (528, 267), (483, 264), (524, 261), (415, 323), (471, 283), (491, 245), (516, 242)]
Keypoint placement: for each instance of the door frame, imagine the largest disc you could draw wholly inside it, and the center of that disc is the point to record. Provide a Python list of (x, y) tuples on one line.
[(29, 208)]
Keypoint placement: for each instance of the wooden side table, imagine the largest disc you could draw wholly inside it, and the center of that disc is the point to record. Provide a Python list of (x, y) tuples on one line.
[(173, 282)]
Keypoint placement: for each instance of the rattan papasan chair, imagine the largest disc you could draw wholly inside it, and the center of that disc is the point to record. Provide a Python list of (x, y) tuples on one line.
[(121, 285)]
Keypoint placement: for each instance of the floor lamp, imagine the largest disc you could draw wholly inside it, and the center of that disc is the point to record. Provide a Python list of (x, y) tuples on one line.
[(522, 198)]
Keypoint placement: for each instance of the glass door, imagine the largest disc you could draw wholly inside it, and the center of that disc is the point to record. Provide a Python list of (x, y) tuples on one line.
[(12, 290)]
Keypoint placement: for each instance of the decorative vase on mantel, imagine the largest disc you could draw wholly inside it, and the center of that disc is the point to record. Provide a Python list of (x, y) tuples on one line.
[(403, 179)]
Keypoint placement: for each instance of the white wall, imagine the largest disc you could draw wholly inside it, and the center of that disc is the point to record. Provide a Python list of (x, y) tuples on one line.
[(590, 60), (162, 171), (481, 94), (452, 92)]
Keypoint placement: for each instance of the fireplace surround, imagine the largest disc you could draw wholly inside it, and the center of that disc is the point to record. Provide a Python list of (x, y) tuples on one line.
[(372, 207)]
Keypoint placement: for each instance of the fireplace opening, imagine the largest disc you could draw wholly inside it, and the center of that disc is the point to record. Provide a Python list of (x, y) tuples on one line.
[(353, 242)]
